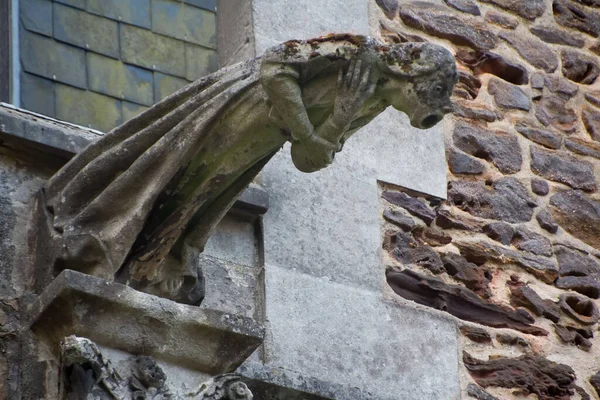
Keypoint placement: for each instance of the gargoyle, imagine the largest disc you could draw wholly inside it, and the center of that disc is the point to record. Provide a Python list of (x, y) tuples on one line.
[(142, 201)]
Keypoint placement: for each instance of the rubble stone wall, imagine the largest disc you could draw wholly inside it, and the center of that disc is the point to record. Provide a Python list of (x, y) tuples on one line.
[(514, 251)]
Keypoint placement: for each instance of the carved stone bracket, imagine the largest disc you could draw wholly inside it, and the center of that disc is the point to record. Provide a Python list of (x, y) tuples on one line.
[(88, 375)]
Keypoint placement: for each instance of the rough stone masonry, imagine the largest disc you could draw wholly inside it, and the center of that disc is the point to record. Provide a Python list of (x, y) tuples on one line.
[(514, 251)]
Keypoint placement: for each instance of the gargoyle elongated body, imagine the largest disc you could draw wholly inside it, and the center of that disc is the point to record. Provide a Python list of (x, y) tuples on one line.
[(127, 204)]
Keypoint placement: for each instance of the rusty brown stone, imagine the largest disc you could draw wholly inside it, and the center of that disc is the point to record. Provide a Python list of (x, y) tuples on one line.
[(544, 268), (532, 374), (573, 262), (469, 84), (412, 254), (524, 296), (485, 62), (580, 308), (533, 50), (458, 301), (432, 19), (475, 277), (478, 112), (532, 242), (571, 15), (578, 215), (583, 147), (477, 335), (552, 110), (591, 121), (431, 236), (448, 220), (511, 340), (503, 21), (563, 167), (593, 98), (541, 136), (499, 231)]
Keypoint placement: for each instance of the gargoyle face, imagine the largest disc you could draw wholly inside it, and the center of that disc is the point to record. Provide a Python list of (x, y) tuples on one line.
[(430, 99)]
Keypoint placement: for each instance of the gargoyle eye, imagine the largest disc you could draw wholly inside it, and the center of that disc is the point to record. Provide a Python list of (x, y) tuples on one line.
[(439, 89)]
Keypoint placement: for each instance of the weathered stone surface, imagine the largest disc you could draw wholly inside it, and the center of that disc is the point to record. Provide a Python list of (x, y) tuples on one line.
[(199, 61), (431, 236), (36, 16), (564, 168), (583, 147), (546, 222), (37, 94), (543, 267), (473, 276), (580, 308), (500, 232), (501, 148), (501, 20), (448, 219), (410, 253), (561, 86), (467, 87), (578, 67), (540, 136), (87, 108), (524, 296), (458, 301), (460, 163), (532, 242), (534, 51), (538, 80), (389, 7), (530, 9), (119, 80), (572, 335), (508, 96), (466, 6), (437, 22), (413, 205), (86, 30), (571, 15), (593, 98), (134, 12), (551, 34), (402, 221), (478, 112), (53, 60), (591, 121), (482, 62), (576, 263), (586, 285), (540, 186), (478, 335), (178, 20), (552, 110), (477, 392), (578, 215), (532, 374), (165, 85), (506, 200), (142, 47), (595, 382), (511, 340)]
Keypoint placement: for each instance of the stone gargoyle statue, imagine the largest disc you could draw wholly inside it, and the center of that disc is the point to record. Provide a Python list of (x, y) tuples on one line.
[(128, 205)]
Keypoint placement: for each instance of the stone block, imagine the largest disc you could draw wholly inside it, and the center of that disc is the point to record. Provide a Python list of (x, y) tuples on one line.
[(206, 4), (332, 332), (73, 3), (112, 77), (87, 108), (146, 49), (164, 85), (117, 316), (36, 16), (199, 61), (53, 60), (134, 12), (183, 22), (86, 30), (131, 110), (37, 94), (234, 233)]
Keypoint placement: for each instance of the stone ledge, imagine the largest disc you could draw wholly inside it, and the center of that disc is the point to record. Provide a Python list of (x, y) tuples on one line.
[(280, 384), (117, 316), (64, 140)]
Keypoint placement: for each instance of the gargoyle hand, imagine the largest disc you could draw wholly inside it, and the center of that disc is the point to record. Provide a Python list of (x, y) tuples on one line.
[(353, 89)]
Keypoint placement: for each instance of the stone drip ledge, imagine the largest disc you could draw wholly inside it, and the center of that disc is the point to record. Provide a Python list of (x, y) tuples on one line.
[(64, 140), (276, 383), (116, 316)]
